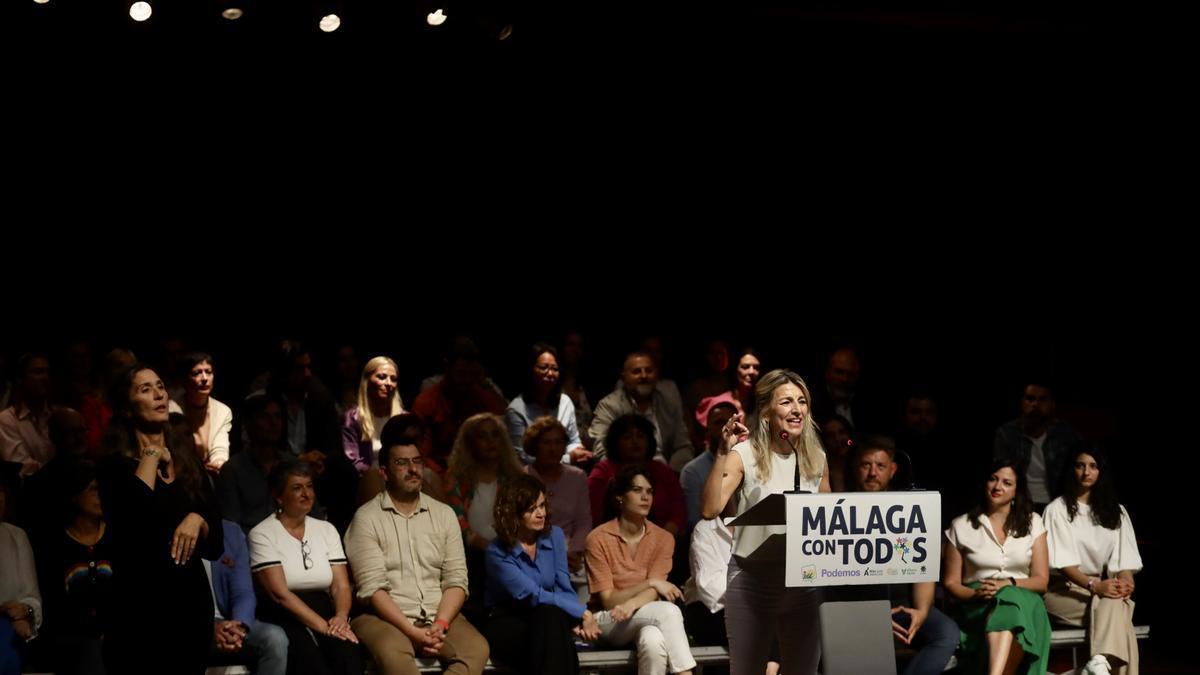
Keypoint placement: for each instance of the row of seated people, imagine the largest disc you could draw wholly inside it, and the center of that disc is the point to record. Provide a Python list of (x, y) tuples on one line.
[(312, 430), (363, 400), (146, 405), (409, 567), (1006, 568), (531, 596), (344, 418)]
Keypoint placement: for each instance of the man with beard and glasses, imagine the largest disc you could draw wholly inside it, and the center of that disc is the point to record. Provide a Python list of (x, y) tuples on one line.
[(406, 549)]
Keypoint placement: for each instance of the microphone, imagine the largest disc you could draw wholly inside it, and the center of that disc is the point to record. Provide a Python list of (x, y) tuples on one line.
[(783, 434), (912, 471)]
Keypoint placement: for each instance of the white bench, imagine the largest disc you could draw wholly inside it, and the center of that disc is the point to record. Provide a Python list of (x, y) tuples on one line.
[(1077, 637), (588, 661), (593, 661)]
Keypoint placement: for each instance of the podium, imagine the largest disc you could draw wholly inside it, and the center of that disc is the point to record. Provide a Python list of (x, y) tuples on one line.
[(853, 538)]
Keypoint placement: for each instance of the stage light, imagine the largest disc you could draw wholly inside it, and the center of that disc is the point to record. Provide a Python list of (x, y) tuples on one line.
[(140, 11), (330, 23)]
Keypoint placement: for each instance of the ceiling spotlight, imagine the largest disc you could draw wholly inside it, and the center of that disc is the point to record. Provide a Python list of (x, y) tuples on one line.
[(330, 23), (140, 11), (40, 2), (327, 14), (436, 18), (232, 13)]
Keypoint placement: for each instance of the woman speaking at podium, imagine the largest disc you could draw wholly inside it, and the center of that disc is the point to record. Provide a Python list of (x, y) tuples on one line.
[(764, 461)]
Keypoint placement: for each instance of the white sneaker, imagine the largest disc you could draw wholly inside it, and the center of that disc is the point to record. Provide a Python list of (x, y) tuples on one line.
[(1097, 665)]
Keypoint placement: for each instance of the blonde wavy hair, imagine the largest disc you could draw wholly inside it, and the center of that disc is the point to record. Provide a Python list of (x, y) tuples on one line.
[(462, 456), (812, 455)]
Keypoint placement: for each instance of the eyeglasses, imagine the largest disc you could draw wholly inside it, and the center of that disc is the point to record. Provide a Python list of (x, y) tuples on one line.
[(307, 553), (404, 462), (546, 369)]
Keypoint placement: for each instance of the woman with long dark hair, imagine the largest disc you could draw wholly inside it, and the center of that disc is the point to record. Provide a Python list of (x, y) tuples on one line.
[(747, 370), (1093, 556), (995, 565), (163, 519), (543, 396)]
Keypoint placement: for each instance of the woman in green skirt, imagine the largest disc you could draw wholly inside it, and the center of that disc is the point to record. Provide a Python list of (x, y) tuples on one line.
[(997, 566)]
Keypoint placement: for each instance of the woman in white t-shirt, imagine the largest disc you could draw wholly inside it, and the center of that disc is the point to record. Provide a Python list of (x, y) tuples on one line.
[(995, 565), (299, 561), (758, 607), (1094, 555), (481, 460)]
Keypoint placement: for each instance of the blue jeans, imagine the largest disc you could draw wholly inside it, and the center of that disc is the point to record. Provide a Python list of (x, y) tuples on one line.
[(10, 657), (270, 643), (938, 638)]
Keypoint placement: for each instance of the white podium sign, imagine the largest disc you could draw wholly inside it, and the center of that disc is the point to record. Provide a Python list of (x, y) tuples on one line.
[(847, 538)]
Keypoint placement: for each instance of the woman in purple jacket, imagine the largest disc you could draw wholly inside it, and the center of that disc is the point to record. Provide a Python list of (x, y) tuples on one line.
[(378, 401)]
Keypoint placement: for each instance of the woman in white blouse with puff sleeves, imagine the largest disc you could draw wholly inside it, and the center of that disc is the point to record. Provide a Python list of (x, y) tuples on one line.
[(1094, 555), (996, 566)]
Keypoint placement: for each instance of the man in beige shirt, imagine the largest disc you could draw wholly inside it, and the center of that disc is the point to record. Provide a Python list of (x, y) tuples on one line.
[(406, 551)]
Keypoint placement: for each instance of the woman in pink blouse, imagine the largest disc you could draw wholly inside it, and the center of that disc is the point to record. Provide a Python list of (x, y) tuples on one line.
[(566, 485)]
